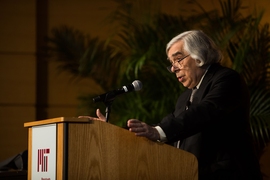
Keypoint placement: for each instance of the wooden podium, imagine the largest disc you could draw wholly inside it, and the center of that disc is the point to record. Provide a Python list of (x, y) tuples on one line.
[(98, 150)]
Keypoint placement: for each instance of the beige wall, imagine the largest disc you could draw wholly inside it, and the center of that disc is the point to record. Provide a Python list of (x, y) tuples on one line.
[(18, 60), (17, 74)]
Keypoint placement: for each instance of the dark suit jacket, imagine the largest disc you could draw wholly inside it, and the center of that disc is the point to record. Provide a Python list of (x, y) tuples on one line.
[(215, 128)]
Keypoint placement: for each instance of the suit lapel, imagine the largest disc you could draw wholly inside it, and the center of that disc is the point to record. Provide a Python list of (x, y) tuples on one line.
[(203, 87)]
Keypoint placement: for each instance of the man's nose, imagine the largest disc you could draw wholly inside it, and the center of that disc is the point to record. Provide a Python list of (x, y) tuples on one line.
[(174, 69)]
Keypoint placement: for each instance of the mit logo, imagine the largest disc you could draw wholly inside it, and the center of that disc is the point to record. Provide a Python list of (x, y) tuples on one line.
[(42, 165)]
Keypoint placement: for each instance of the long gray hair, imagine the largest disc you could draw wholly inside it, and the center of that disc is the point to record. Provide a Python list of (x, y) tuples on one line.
[(199, 46)]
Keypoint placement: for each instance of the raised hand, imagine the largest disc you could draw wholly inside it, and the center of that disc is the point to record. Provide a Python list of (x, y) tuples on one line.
[(100, 116)]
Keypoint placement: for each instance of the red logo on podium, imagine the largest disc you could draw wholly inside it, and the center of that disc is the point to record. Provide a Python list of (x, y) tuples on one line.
[(42, 165)]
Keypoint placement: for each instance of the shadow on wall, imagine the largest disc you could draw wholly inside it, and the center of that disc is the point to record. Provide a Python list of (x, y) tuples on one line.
[(17, 162)]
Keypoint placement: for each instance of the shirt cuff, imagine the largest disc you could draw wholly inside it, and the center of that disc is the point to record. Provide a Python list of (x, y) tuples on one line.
[(162, 135)]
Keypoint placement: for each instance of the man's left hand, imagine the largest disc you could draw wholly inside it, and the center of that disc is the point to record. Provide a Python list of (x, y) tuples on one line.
[(143, 129)]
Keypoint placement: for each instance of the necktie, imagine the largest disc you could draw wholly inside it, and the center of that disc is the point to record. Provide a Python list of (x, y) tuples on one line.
[(191, 97), (188, 104), (192, 94)]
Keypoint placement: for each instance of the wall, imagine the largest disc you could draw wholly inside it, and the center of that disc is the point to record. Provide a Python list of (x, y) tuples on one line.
[(17, 74)]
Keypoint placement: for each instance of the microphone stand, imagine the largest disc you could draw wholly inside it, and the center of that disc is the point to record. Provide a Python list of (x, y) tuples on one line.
[(108, 109), (108, 103)]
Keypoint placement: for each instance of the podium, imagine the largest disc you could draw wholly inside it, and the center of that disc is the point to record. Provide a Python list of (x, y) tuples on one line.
[(78, 148)]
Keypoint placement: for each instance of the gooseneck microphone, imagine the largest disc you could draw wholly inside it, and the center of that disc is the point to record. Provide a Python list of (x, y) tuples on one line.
[(109, 96)]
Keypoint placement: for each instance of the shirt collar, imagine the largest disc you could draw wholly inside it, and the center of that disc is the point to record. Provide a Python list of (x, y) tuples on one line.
[(199, 84)]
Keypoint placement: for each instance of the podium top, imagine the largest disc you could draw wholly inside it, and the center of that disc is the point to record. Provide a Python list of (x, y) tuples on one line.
[(57, 120)]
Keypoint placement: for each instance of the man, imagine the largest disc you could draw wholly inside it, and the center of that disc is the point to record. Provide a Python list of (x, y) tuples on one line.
[(211, 118)]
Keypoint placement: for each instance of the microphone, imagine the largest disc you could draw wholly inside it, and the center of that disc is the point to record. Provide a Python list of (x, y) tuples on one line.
[(109, 96)]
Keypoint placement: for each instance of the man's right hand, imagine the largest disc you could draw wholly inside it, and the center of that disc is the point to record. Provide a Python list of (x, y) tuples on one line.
[(100, 116)]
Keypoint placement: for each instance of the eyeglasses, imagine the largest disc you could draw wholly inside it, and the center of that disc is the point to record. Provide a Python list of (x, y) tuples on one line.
[(178, 59)]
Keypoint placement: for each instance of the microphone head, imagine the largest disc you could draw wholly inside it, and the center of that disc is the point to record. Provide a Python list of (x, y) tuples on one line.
[(137, 85)]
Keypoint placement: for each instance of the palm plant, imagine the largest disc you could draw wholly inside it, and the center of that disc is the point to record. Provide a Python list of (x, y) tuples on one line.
[(137, 51)]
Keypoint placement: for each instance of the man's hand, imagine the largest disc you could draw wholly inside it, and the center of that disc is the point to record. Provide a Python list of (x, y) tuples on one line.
[(143, 129), (100, 116)]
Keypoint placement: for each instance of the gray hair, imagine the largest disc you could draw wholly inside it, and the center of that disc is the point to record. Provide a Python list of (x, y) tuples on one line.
[(199, 46)]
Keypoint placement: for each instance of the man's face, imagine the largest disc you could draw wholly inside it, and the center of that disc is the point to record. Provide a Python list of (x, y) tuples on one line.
[(186, 70)]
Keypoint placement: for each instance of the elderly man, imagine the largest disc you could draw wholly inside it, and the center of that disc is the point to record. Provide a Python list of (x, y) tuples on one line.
[(211, 118)]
